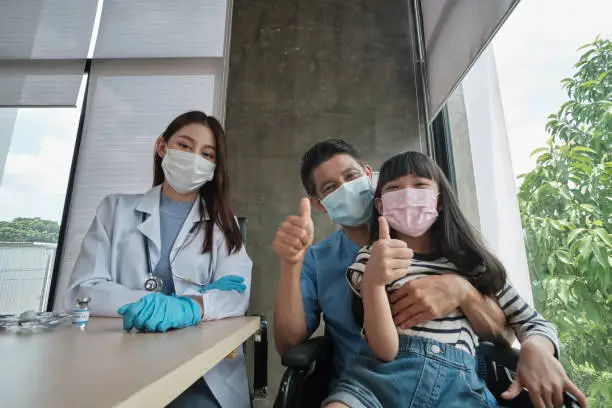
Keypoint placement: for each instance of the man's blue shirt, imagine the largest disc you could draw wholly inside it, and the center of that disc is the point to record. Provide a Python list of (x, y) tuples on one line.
[(326, 291)]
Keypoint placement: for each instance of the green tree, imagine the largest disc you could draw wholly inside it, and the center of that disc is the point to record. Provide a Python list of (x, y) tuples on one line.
[(566, 209), (29, 230)]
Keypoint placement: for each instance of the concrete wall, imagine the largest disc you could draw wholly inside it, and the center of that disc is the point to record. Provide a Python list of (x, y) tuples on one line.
[(300, 72)]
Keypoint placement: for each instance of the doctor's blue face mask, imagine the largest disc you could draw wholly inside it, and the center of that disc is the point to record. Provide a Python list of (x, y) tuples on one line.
[(351, 204)]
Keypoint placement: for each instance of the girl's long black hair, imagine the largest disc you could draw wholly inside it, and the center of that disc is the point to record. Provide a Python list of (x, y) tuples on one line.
[(453, 236)]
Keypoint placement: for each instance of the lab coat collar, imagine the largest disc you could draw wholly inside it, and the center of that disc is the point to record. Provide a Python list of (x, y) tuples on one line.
[(150, 227), (149, 204)]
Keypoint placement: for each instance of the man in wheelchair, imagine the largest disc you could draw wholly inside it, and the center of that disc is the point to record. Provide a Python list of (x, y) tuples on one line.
[(313, 282)]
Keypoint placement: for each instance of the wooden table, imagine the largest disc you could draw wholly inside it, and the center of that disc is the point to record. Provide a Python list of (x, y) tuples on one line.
[(102, 366)]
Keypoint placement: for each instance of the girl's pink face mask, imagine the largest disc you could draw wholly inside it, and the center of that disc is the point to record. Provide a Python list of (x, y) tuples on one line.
[(410, 211)]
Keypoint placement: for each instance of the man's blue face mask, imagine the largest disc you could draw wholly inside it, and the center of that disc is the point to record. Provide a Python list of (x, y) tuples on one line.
[(351, 204)]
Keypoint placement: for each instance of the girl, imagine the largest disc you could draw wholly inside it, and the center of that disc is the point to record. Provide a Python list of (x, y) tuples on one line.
[(173, 256), (422, 232)]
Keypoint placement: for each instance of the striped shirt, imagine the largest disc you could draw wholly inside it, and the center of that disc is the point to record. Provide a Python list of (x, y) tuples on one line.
[(455, 329)]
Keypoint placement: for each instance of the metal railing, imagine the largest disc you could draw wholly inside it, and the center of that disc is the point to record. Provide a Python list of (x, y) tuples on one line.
[(25, 275)]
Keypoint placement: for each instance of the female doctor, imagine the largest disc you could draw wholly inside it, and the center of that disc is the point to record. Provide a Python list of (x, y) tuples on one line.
[(173, 256)]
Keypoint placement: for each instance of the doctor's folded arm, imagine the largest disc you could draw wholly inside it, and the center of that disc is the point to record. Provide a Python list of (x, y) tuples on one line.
[(173, 256)]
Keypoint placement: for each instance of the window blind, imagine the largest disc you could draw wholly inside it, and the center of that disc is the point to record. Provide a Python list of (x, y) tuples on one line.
[(455, 32), (43, 47), (162, 29)]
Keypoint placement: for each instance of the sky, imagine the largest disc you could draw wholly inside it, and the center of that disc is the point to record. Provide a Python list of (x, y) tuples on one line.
[(534, 50)]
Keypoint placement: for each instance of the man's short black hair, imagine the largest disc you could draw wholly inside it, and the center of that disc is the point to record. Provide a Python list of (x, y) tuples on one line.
[(320, 153)]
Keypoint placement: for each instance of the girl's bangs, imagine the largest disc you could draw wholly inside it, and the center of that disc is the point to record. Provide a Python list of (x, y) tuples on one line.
[(400, 165)]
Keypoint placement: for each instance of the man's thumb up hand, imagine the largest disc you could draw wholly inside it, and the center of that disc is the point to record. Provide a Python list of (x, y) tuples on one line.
[(305, 209), (306, 215)]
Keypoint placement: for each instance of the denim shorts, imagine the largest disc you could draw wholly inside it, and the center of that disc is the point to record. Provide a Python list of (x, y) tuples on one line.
[(425, 373)]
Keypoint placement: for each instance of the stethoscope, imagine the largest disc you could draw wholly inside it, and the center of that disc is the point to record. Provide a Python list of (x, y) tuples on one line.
[(155, 283)]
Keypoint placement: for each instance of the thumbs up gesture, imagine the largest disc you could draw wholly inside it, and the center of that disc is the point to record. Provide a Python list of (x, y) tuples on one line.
[(390, 258), (295, 235)]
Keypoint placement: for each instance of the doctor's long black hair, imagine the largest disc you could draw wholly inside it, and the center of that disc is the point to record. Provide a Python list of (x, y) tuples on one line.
[(215, 194), (453, 236)]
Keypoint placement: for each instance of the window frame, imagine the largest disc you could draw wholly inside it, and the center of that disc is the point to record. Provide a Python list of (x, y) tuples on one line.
[(52, 288), (441, 146)]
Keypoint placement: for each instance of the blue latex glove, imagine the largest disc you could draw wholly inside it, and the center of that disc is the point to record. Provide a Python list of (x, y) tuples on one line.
[(226, 283), (159, 313)]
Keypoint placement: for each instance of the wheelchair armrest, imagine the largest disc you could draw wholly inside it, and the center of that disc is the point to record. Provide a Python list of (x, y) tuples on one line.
[(493, 365), (507, 356), (305, 354), (497, 367), (306, 380)]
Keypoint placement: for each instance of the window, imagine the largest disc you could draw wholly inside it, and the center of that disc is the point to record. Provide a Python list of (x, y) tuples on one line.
[(146, 62), (555, 96), (547, 213), (36, 149), (43, 51)]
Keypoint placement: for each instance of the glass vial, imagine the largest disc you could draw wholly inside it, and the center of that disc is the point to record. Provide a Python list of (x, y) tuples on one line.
[(80, 314)]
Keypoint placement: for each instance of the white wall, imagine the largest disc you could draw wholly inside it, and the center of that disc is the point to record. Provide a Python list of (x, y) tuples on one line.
[(500, 221)]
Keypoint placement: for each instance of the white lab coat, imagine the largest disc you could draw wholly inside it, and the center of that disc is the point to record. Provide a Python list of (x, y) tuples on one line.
[(111, 270)]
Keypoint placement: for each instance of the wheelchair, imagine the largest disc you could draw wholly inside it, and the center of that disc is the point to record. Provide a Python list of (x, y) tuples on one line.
[(305, 383)]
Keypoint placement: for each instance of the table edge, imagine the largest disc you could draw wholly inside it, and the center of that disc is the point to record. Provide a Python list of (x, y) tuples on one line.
[(164, 390)]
